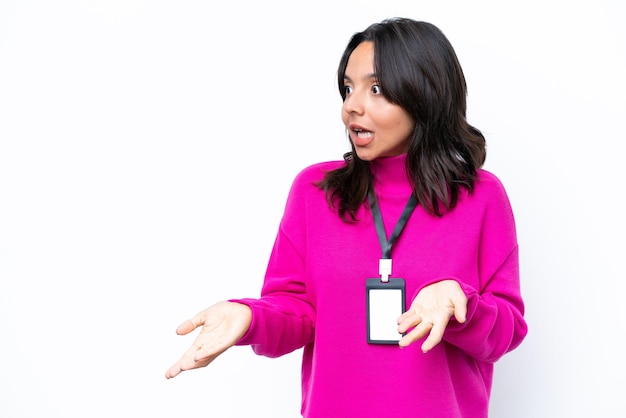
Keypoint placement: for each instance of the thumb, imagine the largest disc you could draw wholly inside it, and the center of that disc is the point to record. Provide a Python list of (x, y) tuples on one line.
[(186, 327), (460, 310)]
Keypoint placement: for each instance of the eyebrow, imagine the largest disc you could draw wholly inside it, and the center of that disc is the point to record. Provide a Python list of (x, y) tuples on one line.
[(369, 76)]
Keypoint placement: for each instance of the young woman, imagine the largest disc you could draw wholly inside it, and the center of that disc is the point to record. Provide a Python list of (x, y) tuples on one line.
[(395, 268)]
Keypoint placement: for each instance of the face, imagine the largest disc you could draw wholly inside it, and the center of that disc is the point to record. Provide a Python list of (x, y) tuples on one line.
[(377, 128)]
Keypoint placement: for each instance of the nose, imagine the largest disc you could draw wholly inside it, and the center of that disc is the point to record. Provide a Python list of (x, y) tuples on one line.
[(353, 104)]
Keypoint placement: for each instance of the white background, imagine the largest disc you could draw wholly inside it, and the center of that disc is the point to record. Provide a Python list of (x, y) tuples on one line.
[(146, 151)]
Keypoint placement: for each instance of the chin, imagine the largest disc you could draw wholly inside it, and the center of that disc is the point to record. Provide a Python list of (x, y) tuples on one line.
[(364, 155)]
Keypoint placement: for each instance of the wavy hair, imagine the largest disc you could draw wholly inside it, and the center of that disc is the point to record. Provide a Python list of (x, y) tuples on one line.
[(417, 70)]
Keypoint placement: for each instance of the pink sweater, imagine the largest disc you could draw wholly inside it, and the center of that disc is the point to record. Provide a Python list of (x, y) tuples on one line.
[(314, 297)]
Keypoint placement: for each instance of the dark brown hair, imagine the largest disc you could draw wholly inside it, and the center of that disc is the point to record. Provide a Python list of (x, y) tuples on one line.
[(417, 70)]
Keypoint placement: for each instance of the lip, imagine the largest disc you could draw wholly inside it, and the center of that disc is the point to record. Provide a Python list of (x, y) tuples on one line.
[(360, 141)]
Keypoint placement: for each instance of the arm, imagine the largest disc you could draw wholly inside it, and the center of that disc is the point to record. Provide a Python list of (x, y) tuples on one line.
[(222, 325), (495, 322), (484, 320), (283, 319)]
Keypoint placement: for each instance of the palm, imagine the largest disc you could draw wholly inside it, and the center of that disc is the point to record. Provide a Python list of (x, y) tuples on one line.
[(223, 324)]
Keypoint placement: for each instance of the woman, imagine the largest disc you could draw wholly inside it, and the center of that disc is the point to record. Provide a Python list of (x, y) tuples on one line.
[(409, 209)]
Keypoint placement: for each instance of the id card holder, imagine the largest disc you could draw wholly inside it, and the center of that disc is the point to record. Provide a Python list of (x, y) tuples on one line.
[(385, 303)]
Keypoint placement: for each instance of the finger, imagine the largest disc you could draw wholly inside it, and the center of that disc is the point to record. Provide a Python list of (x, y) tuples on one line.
[(460, 316), (434, 337), (408, 323), (193, 358), (181, 366), (189, 325), (416, 333), (185, 327), (460, 310), (408, 320), (459, 303), (408, 314), (205, 353), (172, 372)]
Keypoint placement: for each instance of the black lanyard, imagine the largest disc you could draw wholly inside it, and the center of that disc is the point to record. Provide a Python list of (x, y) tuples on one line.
[(385, 245)]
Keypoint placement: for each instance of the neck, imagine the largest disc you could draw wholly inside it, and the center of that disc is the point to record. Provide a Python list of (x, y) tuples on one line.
[(390, 176)]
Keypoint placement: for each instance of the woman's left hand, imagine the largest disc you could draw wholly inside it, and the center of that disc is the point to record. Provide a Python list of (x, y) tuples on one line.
[(430, 313)]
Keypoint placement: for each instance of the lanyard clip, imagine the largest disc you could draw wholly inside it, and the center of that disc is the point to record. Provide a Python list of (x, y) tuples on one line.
[(384, 269)]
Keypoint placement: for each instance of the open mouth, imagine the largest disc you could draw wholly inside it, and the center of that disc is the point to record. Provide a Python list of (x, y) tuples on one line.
[(362, 134)]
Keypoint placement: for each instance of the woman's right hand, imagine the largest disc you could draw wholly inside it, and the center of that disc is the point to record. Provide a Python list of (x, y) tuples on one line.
[(223, 324)]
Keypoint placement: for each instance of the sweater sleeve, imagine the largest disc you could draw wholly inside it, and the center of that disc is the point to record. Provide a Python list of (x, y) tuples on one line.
[(283, 318), (495, 322)]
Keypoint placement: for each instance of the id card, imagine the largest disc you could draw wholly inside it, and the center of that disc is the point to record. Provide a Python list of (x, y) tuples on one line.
[(385, 303)]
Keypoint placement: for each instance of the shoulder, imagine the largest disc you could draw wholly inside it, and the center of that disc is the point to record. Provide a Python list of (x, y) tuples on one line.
[(490, 194), (488, 183), (315, 172), (305, 196), (305, 183)]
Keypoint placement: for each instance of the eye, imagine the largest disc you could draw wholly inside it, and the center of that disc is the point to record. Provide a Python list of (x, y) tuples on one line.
[(376, 89), (347, 90)]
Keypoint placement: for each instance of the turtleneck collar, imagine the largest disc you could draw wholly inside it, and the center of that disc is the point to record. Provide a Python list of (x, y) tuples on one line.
[(390, 175)]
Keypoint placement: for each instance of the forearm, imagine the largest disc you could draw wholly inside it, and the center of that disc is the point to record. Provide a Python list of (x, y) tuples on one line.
[(280, 324), (494, 326)]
